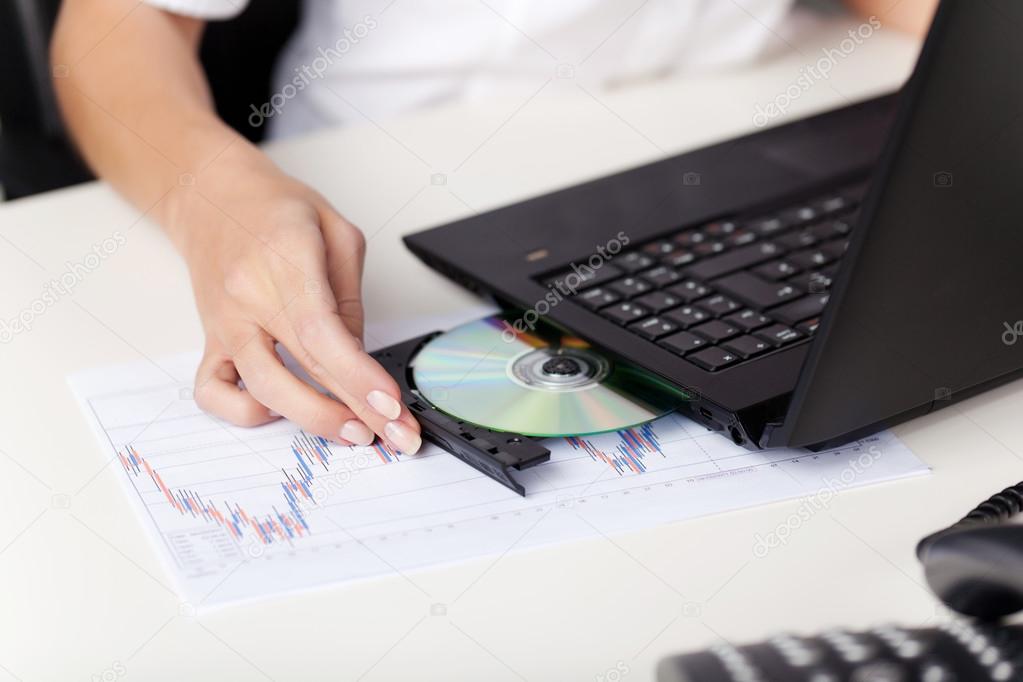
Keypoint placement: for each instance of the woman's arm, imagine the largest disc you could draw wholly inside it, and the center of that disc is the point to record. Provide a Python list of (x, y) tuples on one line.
[(911, 16), (270, 259)]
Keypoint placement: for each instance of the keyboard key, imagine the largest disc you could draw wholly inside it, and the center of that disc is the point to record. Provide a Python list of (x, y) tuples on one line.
[(829, 229), (688, 291), (776, 269), (755, 291), (737, 259), (810, 326), (678, 258), (797, 240), (659, 248), (747, 346), (720, 228), (811, 259), (687, 316), (835, 249), (683, 342), (713, 359), (826, 230), (812, 282), (653, 328), (779, 335), (587, 277), (659, 301), (597, 298), (634, 262), (690, 238), (719, 305), (741, 238), (799, 215), (747, 320), (844, 224), (766, 226), (715, 330), (835, 203), (708, 248), (661, 276), (629, 287), (801, 309), (624, 313)]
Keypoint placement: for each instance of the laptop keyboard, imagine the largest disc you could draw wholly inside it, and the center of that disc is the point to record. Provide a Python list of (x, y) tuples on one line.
[(728, 291)]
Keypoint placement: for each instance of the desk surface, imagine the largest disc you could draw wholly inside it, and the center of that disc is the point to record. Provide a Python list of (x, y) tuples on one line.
[(83, 595)]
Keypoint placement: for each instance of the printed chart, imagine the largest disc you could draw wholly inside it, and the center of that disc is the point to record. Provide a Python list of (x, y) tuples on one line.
[(245, 513)]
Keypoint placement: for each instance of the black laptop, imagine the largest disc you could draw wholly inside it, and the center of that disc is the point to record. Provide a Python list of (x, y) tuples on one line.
[(810, 283)]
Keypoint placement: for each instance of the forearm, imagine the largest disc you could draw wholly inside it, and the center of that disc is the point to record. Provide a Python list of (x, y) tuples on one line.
[(137, 103), (910, 16)]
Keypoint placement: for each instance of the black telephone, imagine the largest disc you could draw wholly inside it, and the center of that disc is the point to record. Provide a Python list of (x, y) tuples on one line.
[(975, 567)]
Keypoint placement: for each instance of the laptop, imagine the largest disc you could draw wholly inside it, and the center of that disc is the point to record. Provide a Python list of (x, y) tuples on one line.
[(808, 284)]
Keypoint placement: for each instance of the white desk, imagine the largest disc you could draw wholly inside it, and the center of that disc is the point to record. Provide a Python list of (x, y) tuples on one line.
[(82, 594)]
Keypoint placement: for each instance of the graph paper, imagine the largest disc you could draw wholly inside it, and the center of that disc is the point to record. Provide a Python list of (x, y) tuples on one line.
[(244, 513)]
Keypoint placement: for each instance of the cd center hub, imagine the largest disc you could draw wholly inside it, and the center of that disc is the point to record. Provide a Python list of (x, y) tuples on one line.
[(561, 366), (559, 369)]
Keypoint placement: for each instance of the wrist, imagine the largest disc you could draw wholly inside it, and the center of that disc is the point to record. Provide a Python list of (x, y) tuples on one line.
[(206, 196)]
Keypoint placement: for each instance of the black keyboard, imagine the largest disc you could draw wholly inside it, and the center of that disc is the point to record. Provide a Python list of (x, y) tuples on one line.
[(956, 652), (728, 291)]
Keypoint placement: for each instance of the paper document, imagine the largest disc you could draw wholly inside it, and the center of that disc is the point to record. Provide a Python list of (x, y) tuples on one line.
[(243, 513)]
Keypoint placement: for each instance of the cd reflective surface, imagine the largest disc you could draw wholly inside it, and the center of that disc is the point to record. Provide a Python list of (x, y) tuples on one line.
[(537, 383)]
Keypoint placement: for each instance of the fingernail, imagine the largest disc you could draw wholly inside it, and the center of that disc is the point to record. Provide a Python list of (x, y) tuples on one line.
[(384, 404), (407, 440), (273, 414), (356, 432)]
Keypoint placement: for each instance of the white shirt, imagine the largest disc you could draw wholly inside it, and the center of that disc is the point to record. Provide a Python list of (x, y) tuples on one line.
[(352, 60)]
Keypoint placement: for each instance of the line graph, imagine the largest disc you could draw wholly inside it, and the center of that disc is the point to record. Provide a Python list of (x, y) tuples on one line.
[(629, 454), (239, 513), (269, 526)]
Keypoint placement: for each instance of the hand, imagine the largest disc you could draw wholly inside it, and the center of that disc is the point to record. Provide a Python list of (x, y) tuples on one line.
[(272, 262)]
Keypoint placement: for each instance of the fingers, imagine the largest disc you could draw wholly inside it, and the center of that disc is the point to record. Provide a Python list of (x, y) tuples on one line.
[(335, 358), (217, 391), (318, 286), (270, 382), (346, 255)]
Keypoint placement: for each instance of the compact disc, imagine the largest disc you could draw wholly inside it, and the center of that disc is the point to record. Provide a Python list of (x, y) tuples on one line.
[(498, 374)]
